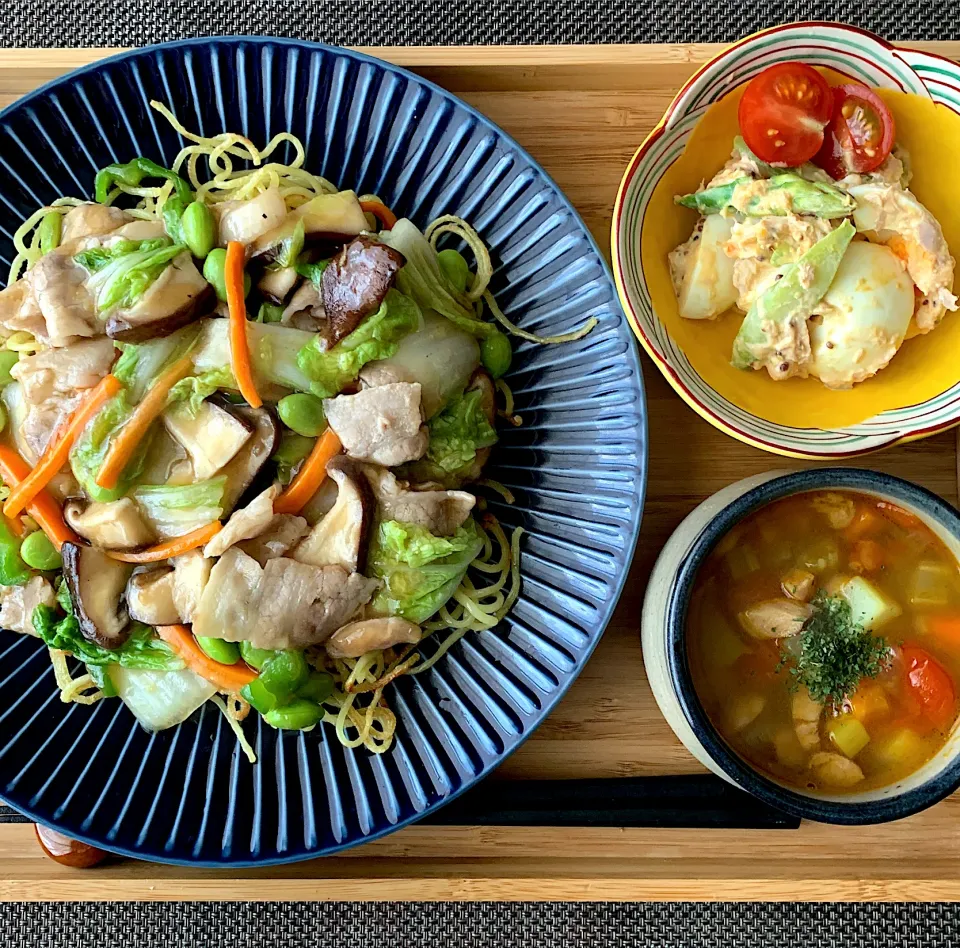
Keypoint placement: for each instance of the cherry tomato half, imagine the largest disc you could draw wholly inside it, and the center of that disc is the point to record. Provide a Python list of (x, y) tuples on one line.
[(783, 113), (930, 683), (860, 134)]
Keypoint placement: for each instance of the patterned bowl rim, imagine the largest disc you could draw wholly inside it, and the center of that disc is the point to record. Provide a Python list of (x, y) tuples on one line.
[(631, 355), (661, 361)]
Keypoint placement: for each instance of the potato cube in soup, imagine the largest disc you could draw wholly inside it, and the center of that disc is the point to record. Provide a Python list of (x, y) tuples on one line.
[(932, 581), (871, 608), (848, 735)]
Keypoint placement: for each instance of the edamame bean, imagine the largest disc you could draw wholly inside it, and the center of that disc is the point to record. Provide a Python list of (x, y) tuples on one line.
[(39, 553), (49, 232), (198, 229), (8, 359), (219, 650), (259, 697), (454, 268), (296, 716), (3, 418), (285, 673), (255, 657), (318, 688), (281, 677), (496, 354), (303, 414), (213, 268)]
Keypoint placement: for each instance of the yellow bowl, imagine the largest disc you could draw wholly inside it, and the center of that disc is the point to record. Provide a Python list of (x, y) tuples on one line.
[(918, 394)]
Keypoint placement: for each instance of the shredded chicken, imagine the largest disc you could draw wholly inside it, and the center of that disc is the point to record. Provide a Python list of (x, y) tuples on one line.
[(744, 709), (806, 719), (775, 619), (798, 584), (838, 509), (835, 770)]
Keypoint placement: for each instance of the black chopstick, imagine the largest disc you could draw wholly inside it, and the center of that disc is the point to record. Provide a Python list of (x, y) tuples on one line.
[(695, 801)]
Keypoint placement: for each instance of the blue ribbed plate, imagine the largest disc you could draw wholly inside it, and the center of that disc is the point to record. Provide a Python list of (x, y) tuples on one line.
[(577, 466)]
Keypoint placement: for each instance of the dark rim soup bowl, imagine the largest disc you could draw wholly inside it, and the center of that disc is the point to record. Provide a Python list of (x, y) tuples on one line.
[(668, 668)]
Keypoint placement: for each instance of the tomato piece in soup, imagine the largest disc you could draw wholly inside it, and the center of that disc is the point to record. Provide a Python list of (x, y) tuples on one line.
[(930, 684)]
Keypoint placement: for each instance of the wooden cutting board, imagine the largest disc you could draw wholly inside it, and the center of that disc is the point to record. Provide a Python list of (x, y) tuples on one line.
[(581, 111)]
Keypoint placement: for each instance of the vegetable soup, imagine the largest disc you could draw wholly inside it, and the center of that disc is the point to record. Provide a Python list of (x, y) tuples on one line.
[(824, 641)]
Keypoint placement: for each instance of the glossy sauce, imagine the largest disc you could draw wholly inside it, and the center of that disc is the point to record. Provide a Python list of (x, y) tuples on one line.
[(894, 722)]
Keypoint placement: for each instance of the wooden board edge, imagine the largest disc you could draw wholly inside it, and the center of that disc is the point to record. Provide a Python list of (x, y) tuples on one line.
[(460, 56), (83, 885)]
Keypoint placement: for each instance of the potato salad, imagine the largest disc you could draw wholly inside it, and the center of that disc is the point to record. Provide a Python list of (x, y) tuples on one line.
[(811, 231)]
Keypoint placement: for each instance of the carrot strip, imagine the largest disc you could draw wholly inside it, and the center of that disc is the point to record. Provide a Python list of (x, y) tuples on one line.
[(310, 476), (138, 424), (168, 548), (239, 344), (57, 452), (228, 678), (43, 508), (380, 211)]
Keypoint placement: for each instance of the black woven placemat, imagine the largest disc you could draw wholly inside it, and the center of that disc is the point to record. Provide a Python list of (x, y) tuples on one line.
[(480, 925), (420, 22), (504, 925)]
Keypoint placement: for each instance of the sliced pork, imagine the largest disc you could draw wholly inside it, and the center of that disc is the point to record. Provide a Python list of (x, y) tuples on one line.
[(284, 604), (53, 373), (18, 602), (439, 511), (382, 425)]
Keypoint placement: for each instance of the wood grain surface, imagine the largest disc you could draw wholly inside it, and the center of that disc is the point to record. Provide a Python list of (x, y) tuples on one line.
[(581, 111)]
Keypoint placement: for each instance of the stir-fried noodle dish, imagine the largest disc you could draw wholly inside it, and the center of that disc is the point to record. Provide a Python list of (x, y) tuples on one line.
[(246, 416)]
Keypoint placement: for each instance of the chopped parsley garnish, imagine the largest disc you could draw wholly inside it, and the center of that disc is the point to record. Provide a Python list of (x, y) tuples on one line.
[(835, 653)]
